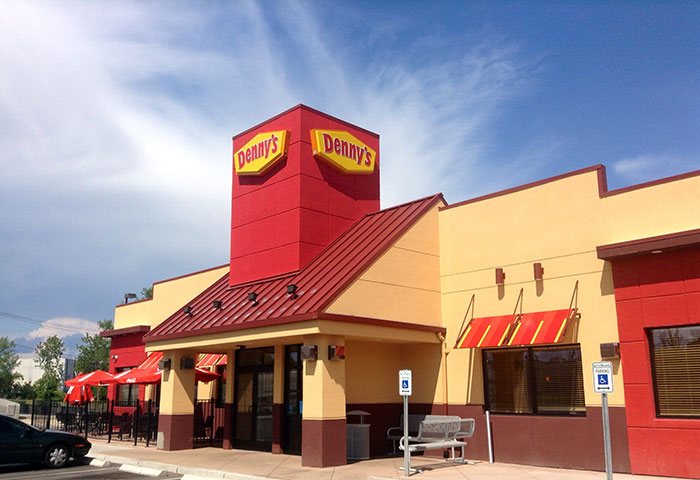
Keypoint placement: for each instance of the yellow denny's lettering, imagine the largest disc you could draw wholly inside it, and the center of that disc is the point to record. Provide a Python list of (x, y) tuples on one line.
[(260, 153), (343, 151)]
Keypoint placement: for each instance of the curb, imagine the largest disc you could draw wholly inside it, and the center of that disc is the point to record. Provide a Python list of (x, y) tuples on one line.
[(142, 467)]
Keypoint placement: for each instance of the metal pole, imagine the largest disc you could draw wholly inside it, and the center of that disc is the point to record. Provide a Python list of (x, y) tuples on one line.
[(48, 418), (488, 435), (137, 413), (406, 453), (111, 420), (606, 439), (148, 425), (33, 407)]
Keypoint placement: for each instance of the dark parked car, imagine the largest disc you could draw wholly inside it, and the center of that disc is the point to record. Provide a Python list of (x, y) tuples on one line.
[(22, 443)]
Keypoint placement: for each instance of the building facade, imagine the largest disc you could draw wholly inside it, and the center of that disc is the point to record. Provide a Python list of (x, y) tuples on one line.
[(497, 303)]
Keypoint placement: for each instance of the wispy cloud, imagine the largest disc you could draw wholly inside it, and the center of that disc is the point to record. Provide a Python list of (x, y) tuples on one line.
[(116, 125), (647, 167), (63, 327)]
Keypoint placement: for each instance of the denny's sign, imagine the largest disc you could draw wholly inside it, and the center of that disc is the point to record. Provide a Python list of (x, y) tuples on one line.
[(260, 153), (343, 151)]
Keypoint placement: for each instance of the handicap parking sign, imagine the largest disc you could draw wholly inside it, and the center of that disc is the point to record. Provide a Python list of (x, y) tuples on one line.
[(602, 377), (405, 383)]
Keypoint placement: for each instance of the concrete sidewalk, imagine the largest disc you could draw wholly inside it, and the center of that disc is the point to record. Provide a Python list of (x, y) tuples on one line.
[(248, 465)]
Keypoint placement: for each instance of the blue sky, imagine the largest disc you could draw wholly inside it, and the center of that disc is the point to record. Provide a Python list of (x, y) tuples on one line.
[(116, 119)]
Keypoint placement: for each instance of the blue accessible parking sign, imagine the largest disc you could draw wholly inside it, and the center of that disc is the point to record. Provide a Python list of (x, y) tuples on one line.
[(602, 377)]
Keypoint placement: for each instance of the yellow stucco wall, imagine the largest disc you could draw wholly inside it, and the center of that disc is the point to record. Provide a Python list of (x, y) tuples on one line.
[(168, 296), (656, 210), (404, 283), (558, 224)]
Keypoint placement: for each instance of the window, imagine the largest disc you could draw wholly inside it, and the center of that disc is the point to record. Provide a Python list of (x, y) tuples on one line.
[(534, 380), (127, 394), (675, 365)]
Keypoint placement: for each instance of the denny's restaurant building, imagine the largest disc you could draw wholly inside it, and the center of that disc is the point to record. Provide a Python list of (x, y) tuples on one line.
[(499, 303)]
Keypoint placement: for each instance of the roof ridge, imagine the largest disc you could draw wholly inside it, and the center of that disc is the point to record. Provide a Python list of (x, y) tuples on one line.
[(405, 204)]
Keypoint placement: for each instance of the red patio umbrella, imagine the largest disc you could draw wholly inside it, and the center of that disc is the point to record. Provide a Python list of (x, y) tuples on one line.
[(79, 395), (98, 377), (154, 375)]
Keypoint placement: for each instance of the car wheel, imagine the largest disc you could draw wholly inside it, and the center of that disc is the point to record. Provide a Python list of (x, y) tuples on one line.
[(56, 456)]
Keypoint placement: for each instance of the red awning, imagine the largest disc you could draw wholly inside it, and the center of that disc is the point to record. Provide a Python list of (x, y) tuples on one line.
[(540, 327), (486, 332), (210, 359), (151, 361)]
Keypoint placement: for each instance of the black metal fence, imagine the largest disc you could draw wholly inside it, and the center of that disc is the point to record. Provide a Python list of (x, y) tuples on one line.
[(208, 424), (135, 421)]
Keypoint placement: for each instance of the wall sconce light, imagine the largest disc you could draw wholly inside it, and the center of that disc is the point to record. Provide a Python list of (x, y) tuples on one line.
[(186, 363), (129, 296), (253, 297), (500, 276), (610, 350), (188, 310), (309, 352), (292, 290), (217, 304), (336, 352), (539, 271), (165, 364), (115, 357)]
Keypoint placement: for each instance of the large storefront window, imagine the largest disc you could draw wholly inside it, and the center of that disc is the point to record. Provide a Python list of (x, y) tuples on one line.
[(534, 380), (675, 364)]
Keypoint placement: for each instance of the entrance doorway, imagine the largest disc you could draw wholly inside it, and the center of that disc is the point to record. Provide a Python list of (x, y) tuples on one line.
[(293, 382), (253, 394)]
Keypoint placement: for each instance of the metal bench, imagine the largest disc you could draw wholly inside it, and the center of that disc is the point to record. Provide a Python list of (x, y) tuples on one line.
[(414, 420), (441, 434)]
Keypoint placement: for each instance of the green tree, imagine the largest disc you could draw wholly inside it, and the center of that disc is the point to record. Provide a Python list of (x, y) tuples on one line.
[(93, 351), (49, 353), (146, 293), (8, 362)]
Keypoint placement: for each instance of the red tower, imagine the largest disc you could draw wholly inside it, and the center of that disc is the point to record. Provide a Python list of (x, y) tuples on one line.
[(300, 179)]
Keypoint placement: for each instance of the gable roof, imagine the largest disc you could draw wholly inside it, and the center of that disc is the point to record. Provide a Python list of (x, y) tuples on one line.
[(318, 283)]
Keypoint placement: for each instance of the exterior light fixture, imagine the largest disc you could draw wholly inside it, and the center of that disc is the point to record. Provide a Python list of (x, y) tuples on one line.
[(539, 271), (610, 350), (292, 290), (129, 296), (186, 363), (217, 304), (500, 276), (336, 352), (253, 297), (188, 310), (165, 364), (309, 352)]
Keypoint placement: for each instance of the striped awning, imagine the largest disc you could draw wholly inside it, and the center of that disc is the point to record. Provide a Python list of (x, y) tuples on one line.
[(540, 327), (211, 359), (151, 361), (486, 332)]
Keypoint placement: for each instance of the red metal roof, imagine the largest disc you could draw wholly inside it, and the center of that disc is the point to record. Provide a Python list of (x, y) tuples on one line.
[(318, 283)]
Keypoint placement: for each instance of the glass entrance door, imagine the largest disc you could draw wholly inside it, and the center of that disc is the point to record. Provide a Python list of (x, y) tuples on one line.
[(293, 382), (253, 393)]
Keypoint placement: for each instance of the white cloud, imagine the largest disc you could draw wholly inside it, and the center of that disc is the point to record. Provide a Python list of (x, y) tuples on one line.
[(63, 327), (116, 128), (642, 168)]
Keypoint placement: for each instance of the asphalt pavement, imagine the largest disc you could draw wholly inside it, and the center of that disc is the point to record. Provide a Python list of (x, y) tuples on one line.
[(75, 470)]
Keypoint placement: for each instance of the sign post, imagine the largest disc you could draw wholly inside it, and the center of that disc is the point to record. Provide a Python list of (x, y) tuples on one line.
[(406, 390), (603, 384)]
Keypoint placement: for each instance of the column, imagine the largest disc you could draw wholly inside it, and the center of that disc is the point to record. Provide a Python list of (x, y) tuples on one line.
[(176, 416), (228, 404), (278, 400), (323, 431)]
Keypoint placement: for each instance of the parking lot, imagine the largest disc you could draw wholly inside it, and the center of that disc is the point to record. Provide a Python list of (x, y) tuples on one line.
[(84, 472)]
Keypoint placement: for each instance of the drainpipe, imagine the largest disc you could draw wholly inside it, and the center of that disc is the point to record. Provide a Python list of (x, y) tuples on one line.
[(443, 346)]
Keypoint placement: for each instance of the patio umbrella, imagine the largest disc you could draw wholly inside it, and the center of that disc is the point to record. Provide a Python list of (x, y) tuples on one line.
[(79, 395), (98, 377), (154, 375)]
